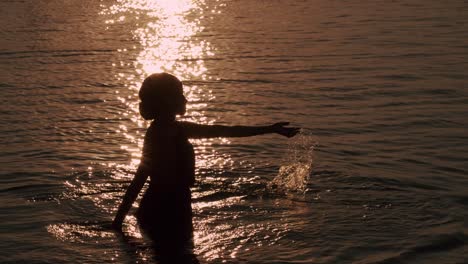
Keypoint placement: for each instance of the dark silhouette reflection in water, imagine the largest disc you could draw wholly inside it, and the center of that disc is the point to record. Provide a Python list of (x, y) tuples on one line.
[(165, 213)]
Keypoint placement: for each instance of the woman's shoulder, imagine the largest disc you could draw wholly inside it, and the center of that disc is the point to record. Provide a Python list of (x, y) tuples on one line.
[(167, 130), (186, 125), (161, 131)]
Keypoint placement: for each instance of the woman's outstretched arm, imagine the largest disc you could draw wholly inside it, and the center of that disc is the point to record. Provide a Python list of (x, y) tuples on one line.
[(130, 196), (211, 131)]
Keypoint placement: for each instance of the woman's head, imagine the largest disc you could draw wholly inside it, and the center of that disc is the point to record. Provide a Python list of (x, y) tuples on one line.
[(161, 95)]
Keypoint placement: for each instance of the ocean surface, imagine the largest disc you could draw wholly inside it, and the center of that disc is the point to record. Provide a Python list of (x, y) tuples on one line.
[(379, 173)]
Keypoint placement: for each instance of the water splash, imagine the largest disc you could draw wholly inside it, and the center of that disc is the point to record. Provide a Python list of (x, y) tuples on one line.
[(295, 175)]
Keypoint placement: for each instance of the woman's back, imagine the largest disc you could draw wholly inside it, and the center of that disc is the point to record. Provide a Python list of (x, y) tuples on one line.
[(168, 156), (165, 212)]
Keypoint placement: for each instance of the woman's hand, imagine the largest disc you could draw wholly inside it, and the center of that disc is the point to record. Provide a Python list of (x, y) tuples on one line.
[(280, 128), (117, 225)]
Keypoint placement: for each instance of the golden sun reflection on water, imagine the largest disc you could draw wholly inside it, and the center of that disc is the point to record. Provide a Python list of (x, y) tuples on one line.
[(165, 39), (166, 32)]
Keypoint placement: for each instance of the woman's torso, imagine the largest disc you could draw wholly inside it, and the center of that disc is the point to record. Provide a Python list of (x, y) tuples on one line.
[(165, 211), (169, 156)]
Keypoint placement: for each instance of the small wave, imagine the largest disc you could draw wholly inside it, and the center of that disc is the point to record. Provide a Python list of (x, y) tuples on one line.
[(93, 51), (442, 243), (245, 81), (78, 232)]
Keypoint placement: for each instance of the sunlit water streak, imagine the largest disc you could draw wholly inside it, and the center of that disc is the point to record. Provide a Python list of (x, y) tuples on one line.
[(165, 32), (167, 43)]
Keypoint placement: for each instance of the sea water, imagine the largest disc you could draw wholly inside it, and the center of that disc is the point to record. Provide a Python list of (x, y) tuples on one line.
[(378, 175)]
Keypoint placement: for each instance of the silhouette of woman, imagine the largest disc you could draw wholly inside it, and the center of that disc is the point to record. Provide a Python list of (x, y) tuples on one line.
[(165, 212)]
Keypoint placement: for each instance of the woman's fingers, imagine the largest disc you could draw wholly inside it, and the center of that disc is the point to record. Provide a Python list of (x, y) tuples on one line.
[(286, 131), (293, 131), (282, 124), (289, 131), (116, 225)]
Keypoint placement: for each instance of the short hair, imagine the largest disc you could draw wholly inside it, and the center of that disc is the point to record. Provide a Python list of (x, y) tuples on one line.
[(156, 94)]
